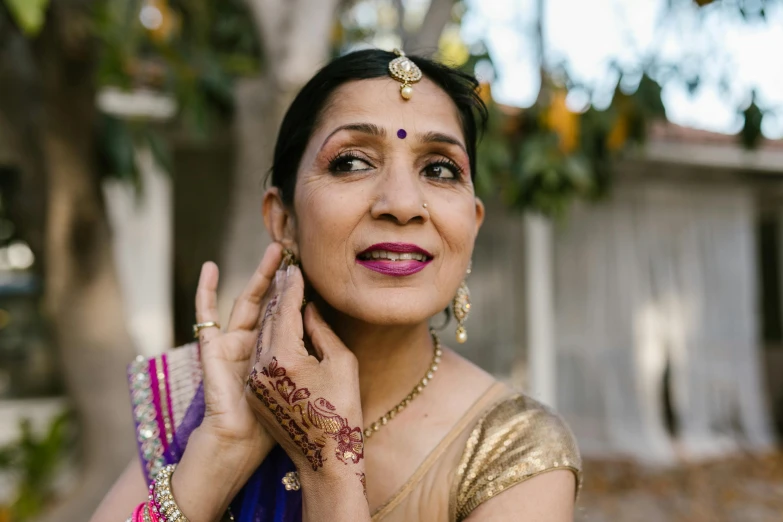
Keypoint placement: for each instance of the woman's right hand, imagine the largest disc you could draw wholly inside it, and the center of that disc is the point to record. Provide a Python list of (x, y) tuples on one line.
[(226, 359)]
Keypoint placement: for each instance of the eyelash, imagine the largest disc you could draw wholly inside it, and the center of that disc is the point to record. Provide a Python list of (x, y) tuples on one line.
[(343, 157)]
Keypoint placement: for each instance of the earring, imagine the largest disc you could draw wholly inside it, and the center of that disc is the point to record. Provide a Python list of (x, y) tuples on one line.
[(460, 306), (289, 258)]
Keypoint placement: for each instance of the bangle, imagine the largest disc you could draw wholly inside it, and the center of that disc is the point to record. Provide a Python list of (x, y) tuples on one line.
[(142, 513), (162, 500), (162, 507)]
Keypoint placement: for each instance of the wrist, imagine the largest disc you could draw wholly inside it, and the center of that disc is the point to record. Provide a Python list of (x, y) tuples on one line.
[(342, 479), (209, 475), (336, 494)]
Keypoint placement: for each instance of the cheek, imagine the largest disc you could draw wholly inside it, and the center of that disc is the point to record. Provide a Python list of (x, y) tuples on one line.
[(455, 220), (326, 218)]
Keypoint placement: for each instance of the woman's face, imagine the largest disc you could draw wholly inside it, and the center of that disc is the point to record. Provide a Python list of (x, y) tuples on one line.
[(385, 215)]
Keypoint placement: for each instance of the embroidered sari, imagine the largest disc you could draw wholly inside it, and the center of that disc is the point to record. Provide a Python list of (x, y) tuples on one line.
[(503, 439)]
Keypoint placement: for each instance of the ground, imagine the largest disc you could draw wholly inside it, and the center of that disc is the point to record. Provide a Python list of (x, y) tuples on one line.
[(740, 489)]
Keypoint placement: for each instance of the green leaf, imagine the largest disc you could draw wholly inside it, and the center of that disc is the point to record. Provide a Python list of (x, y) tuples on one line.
[(159, 149), (579, 173), (28, 14)]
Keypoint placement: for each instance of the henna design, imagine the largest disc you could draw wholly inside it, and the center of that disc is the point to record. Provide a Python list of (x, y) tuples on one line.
[(311, 450), (318, 414), (350, 441), (268, 312), (363, 480)]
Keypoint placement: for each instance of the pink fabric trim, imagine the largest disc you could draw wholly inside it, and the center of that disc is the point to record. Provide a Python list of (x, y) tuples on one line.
[(157, 403)]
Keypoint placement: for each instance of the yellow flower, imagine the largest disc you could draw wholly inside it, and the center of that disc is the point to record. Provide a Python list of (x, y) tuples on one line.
[(563, 122), (451, 49)]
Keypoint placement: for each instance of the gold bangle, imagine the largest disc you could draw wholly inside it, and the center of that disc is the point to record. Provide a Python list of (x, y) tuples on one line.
[(162, 499)]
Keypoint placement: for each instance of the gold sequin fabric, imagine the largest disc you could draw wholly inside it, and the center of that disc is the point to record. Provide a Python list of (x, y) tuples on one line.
[(513, 441)]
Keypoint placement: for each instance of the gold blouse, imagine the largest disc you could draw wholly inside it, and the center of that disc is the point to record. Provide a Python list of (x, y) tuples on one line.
[(504, 439)]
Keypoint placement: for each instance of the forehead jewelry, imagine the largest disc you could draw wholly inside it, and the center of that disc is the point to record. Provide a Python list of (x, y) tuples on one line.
[(406, 72)]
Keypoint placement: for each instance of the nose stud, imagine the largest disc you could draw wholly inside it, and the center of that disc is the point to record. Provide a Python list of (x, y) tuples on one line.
[(424, 205)]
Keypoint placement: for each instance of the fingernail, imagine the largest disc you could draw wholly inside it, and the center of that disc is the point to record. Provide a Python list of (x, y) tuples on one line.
[(279, 278), (289, 270)]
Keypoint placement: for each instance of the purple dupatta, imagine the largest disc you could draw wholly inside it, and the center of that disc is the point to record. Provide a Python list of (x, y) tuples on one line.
[(167, 397)]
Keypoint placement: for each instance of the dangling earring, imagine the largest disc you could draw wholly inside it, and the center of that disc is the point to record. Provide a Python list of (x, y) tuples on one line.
[(289, 258), (460, 306)]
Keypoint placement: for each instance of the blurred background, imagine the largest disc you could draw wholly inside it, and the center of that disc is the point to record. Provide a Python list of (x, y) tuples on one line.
[(629, 272)]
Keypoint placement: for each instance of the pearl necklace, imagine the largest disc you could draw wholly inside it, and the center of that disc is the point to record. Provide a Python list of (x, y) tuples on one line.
[(389, 415)]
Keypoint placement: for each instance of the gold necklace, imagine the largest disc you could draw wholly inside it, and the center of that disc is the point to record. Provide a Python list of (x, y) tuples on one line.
[(389, 415)]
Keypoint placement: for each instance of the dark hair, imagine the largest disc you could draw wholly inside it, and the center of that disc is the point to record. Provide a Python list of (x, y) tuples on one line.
[(302, 116)]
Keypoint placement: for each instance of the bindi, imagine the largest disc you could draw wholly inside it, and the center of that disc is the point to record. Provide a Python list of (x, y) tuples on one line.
[(401, 134)]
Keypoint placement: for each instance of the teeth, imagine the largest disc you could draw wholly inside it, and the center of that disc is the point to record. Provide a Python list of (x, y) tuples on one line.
[(394, 256)]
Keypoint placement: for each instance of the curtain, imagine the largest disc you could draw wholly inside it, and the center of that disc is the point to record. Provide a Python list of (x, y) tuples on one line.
[(661, 276)]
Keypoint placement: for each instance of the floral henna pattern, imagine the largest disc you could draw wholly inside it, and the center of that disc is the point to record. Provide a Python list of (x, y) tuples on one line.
[(319, 414), (310, 449), (350, 441)]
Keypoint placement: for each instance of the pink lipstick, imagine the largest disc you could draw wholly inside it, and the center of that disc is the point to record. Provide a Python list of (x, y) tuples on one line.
[(394, 259)]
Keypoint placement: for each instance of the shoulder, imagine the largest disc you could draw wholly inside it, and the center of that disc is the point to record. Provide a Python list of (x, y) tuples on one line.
[(514, 440)]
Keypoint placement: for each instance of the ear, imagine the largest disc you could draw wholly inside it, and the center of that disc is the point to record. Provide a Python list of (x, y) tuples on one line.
[(479, 214), (279, 220)]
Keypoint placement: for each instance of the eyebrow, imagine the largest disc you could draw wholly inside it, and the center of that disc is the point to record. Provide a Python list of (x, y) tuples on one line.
[(439, 137), (365, 128)]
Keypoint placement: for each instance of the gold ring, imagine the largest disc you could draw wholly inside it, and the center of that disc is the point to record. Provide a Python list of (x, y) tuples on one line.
[(199, 326)]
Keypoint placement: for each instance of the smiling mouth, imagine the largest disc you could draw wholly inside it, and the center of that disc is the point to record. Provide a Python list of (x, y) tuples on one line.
[(395, 259), (395, 252), (393, 256)]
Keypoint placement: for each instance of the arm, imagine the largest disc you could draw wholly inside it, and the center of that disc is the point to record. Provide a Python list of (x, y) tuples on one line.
[(128, 492), (548, 497), (209, 475)]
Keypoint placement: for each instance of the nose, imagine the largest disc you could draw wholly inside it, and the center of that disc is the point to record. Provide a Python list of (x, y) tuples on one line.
[(400, 198)]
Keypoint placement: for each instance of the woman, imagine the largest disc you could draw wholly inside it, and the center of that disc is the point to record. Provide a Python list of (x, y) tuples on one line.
[(306, 412)]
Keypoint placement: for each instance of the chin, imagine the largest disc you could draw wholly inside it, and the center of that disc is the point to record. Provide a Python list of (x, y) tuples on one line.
[(393, 310)]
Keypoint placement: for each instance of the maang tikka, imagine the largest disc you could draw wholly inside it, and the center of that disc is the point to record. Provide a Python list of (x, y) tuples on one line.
[(460, 307), (406, 72)]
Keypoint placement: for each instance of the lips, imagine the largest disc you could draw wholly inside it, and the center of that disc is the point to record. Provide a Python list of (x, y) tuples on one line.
[(394, 259)]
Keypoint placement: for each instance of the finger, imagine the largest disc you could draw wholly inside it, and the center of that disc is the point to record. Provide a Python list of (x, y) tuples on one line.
[(324, 340), (267, 319), (206, 301), (247, 308), (287, 321)]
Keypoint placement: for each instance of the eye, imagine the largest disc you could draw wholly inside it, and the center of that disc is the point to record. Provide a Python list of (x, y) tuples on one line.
[(443, 169), (348, 163)]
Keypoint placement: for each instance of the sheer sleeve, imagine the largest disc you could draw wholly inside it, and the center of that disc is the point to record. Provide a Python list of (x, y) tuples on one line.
[(162, 391), (515, 440)]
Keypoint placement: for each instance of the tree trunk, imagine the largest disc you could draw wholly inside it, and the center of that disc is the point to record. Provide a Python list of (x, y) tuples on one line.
[(424, 41), (82, 295)]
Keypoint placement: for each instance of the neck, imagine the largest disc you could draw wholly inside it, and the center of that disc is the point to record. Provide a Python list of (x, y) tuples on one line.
[(392, 359)]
